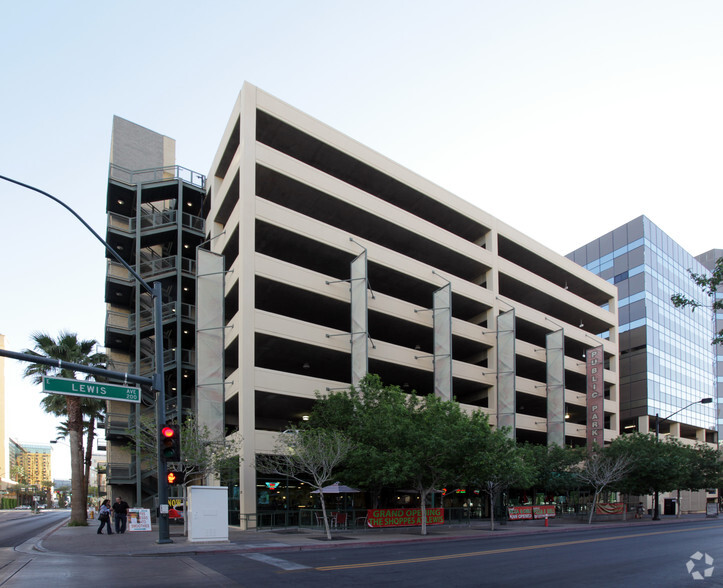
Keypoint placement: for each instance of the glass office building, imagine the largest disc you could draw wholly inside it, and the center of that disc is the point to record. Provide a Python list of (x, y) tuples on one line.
[(666, 360), (709, 259)]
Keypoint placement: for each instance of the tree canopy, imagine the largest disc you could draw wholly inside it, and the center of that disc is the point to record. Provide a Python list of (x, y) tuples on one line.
[(372, 416), (655, 465), (307, 455), (423, 443), (709, 284), (494, 462)]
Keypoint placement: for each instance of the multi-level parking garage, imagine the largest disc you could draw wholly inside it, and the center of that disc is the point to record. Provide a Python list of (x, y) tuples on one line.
[(292, 203)]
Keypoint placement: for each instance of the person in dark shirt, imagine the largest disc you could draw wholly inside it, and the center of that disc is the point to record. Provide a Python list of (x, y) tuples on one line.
[(120, 514)]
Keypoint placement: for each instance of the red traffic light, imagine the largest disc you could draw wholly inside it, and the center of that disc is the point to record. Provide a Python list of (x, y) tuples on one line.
[(170, 440), (172, 478)]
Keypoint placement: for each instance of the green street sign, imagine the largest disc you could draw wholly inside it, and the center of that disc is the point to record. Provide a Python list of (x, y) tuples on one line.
[(98, 390)]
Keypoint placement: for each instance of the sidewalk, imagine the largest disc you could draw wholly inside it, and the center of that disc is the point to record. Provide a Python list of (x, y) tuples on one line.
[(86, 541)]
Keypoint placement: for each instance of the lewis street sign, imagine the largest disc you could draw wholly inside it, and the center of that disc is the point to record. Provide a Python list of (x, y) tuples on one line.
[(99, 390)]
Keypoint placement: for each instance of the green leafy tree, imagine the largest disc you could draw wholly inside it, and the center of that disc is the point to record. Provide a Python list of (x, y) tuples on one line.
[(67, 347), (657, 465), (17, 474), (494, 461), (554, 467), (709, 284), (398, 439), (703, 469), (431, 446), (309, 456), (374, 417), (47, 486)]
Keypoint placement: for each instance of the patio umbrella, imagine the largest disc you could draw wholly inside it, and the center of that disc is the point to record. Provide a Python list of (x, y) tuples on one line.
[(337, 488)]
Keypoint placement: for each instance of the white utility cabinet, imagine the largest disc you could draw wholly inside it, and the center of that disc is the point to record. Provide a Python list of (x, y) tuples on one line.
[(207, 512)]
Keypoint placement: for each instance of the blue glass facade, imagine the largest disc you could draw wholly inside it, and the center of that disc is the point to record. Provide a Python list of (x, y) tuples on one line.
[(709, 259), (666, 357)]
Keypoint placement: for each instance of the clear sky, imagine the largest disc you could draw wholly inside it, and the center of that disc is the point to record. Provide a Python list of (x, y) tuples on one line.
[(564, 119)]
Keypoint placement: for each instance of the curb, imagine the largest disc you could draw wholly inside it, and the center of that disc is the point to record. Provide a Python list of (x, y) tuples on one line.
[(239, 547)]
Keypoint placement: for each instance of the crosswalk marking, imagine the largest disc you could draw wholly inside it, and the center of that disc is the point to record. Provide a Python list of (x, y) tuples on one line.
[(275, 561)]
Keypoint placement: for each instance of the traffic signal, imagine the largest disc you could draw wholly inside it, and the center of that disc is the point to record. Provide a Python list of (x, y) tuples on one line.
[(171, 442), (173, 478)]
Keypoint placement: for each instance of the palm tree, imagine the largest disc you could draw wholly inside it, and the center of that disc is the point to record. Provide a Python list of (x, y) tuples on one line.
[(93, 409), (68, 348)]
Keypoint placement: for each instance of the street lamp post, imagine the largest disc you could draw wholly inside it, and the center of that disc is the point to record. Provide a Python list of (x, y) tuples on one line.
[(658, 420), (158, 378)]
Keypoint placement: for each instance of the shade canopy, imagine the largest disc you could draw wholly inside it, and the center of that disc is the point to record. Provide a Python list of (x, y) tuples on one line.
[(337, 488)]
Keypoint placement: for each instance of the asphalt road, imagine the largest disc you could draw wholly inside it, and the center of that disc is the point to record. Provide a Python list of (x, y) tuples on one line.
[(17, 526), (620, 557)]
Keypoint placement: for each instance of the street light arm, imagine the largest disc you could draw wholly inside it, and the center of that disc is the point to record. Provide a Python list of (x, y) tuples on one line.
[(112, 251), (677, 411), (701, 401)]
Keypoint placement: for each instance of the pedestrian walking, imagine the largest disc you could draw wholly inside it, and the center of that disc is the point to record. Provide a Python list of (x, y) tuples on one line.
[(640, 511), (104, 517), (120, 514)]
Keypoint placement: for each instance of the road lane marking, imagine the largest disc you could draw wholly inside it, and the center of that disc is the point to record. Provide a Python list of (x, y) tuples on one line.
[(276, 561), (504, 550), (217, 578)]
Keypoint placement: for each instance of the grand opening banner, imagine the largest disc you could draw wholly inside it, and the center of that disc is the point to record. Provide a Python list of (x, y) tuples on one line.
[(537, 511), (610, 508), (403, 517)]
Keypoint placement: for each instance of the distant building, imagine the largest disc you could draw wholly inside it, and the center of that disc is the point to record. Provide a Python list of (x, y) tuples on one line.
[(708, 259), (667, 362), (97, 478), (15, 450), (36, 464), (666, 356)]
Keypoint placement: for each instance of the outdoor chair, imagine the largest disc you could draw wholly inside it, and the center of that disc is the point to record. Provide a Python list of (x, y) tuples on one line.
[(339, 519)]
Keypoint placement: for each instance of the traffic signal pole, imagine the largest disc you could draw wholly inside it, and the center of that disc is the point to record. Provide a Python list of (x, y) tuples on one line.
[(159, 385), (158, 379)]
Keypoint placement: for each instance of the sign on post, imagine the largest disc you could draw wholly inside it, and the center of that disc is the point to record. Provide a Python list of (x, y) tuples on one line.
[(99, 390)]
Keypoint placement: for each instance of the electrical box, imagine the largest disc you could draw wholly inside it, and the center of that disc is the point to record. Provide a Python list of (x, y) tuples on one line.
[(207, 513)]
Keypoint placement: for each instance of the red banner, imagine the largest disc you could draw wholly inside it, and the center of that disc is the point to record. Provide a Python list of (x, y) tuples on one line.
[(539, 511), (544, 510), (519, 513), (403, 517), (610, 508)]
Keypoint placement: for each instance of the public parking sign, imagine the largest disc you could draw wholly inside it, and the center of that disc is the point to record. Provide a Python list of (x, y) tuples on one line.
[(99, 390)]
